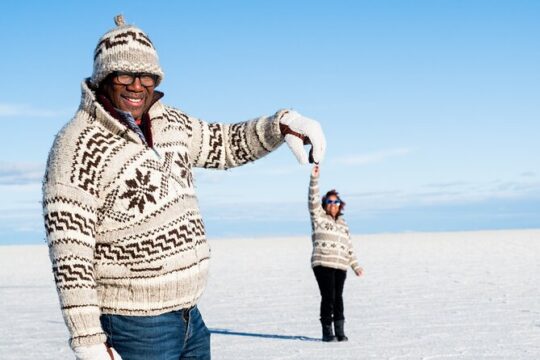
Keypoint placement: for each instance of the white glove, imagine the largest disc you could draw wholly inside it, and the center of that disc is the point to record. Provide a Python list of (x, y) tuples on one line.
[(299, 131), (96, 352)]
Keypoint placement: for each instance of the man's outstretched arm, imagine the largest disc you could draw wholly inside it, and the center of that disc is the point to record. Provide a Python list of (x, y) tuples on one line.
[(223, 146)]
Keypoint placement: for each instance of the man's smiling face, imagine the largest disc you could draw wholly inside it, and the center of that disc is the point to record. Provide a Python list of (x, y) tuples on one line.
[(134, 98)]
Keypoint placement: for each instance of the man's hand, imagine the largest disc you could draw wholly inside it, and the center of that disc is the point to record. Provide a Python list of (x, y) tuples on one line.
[(96, 352), (299, 131)]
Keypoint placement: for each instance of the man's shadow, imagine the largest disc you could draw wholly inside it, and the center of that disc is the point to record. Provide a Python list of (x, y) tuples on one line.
[(268, 336)]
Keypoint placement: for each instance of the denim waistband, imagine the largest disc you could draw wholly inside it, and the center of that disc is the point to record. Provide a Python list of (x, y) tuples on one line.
[(186, 312)]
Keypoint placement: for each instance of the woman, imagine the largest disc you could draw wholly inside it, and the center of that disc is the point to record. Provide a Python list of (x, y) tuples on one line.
[(332, 255)]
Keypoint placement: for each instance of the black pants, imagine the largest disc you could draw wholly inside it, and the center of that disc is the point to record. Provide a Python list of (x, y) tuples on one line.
[(331, 283)]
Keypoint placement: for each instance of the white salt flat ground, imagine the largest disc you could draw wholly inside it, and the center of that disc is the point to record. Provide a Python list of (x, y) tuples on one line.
[(470, 295)]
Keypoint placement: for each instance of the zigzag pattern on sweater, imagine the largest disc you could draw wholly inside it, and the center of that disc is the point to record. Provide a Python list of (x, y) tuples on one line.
[(215, 142), (56, 221), (145, 245), (72, 270), (144, 261), (69, 241), (239, 144), (177, 120), (89, 155)]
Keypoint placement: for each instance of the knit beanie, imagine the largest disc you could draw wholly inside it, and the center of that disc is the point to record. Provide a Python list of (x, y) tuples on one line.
[(125, 48)]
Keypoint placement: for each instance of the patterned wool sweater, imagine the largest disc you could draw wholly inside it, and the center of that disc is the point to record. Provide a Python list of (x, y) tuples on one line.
[(332, 245), (122, 219)]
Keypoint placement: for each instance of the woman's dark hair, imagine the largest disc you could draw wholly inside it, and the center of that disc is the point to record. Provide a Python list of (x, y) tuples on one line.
[(333, 192)]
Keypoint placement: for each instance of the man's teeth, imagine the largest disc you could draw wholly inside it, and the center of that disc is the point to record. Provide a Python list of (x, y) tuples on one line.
[(134, 100)]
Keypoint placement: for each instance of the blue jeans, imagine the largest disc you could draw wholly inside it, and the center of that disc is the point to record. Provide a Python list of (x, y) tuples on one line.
[(176, 335)]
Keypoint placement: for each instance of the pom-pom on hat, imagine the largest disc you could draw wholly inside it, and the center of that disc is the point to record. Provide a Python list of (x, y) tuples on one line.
[(125, 48)]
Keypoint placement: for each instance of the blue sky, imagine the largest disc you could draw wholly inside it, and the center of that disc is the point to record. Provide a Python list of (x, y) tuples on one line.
[(430, 108)]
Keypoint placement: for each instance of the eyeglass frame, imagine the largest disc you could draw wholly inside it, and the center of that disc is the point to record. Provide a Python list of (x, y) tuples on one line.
[(115, 78)]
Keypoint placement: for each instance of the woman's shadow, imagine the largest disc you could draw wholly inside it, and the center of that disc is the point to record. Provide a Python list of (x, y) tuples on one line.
[(269, 336)]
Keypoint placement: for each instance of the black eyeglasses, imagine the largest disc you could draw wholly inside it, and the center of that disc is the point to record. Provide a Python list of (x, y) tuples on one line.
[(328, 202), (126, 78)]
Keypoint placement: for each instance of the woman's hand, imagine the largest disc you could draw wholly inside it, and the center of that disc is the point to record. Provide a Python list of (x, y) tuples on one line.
[(359, 271), (315, 171)]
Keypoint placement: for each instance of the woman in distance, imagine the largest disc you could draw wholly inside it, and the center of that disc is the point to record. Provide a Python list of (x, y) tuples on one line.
[(332, 254)]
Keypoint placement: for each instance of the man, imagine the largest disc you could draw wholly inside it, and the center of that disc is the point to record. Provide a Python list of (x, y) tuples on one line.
[(126, 239)]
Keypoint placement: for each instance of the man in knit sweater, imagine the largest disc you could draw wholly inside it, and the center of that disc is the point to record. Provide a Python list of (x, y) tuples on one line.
[(126, 238)]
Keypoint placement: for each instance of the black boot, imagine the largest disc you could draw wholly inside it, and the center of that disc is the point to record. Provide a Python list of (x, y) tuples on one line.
[(327, 332), (340, 332)]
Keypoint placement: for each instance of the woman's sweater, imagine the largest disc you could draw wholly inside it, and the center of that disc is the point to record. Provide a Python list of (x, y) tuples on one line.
[(332, 245)]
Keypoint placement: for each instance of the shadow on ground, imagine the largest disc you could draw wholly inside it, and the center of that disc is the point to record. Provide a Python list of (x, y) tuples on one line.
[(268, 336)]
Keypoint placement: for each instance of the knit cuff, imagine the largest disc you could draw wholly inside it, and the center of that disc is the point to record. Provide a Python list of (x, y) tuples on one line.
[(268, 132), (86, 340), (277, 128)]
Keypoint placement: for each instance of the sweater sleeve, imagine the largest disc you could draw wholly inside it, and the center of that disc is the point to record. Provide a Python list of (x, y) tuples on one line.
[(353, 261), (223, 146), (70, 217), (314, 198)]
